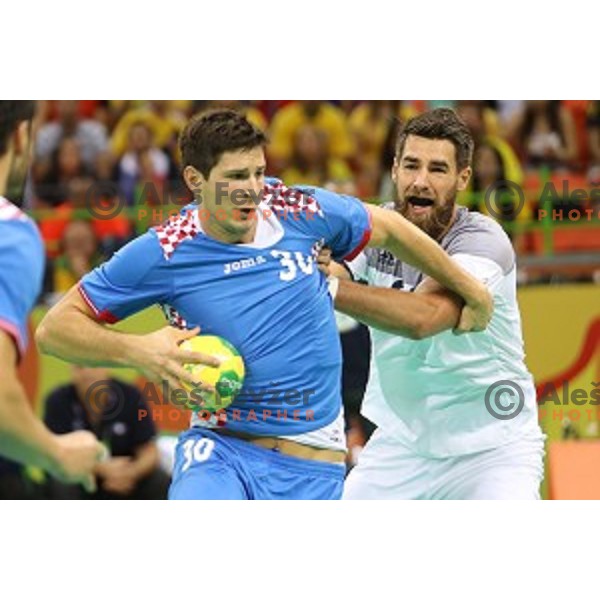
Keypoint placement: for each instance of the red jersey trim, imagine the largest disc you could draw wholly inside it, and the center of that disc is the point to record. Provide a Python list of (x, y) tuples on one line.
[(105, 315)]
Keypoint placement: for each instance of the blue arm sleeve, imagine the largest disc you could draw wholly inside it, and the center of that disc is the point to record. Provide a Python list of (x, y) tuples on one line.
[(21, 275), (135, 278), (343, 222)]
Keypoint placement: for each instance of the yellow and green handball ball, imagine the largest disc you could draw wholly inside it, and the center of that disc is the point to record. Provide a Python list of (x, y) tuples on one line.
[(227, 379)]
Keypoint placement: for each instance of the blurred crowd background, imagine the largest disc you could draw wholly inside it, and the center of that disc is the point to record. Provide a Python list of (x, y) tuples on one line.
[(98, 150)]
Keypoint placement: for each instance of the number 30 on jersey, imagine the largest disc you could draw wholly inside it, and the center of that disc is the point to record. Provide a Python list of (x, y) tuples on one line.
[(291, 262)]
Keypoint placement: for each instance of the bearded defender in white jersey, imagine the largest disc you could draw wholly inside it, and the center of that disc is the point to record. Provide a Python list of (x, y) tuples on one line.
[(456, 414)]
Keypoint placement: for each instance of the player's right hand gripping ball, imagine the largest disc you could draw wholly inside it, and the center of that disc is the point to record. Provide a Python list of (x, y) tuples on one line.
[(227, 378)]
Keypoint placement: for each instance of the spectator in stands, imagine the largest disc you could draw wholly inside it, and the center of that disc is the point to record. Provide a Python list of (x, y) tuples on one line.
[(66, 181), (488, 182), (161, 117), (578, 111), (488, 168), (63, 165), (119, 416), (80, 254), (482, 121), (111, 233), (594, 141), (143, 163), (68, 188), (114, 232), (507, 111), (544, 133), (369, 123), (89, 134), (387, 189), (311, 163), (269, 108), (318, 113), (251, 112)]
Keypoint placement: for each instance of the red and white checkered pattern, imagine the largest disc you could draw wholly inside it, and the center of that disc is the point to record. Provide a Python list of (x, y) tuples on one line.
[(281, 198), (9, 212), (176, 230), (174, 318), (209, 420)]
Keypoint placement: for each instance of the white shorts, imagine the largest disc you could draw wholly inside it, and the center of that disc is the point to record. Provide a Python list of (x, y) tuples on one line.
[(389, 470)]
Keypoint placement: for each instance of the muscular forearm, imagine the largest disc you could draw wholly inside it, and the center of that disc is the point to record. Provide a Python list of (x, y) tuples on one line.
[(74, 336), (71, 332), (23, 437), (407, 314), (414, 247)]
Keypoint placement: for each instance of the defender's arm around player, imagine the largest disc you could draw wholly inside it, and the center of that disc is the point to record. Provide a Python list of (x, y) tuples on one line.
[(449, 288), (427, 312)]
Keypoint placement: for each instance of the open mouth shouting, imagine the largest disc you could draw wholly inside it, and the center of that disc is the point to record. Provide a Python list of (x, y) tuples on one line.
[(419, 205)]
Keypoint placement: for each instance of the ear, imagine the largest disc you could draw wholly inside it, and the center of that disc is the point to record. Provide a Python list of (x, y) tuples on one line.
[(394, 170), (193, 179), (463, 179)]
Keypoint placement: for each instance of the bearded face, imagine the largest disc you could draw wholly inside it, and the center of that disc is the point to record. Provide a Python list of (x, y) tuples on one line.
[(427, 182), (429, 214)]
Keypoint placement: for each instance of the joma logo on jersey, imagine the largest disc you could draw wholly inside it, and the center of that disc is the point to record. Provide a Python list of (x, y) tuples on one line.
[(245, 263)]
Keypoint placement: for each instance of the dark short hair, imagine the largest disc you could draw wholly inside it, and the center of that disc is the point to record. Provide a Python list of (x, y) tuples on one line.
[(13, 112), (210, 134), (440, 124)]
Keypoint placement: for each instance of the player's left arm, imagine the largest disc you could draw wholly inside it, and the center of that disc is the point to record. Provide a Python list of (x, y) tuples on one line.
[(411, 245)]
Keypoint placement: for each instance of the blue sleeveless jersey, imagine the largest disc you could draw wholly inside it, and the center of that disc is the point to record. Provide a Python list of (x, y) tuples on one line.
[(267, 298)]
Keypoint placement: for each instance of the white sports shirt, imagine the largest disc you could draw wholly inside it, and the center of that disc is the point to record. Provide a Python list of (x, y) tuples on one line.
[(431, 394)]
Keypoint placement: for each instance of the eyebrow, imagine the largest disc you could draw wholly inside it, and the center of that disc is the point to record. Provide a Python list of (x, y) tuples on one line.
[(433, 163), (243, 171), (439, 163)]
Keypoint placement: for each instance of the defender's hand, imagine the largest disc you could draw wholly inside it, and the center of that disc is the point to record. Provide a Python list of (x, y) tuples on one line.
[(324, 261), (476, 314)]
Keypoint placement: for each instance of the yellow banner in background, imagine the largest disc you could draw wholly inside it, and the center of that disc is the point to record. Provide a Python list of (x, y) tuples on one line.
[(561, 325)]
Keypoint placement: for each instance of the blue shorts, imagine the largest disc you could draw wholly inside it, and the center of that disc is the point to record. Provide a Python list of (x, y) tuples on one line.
[(210, 466)]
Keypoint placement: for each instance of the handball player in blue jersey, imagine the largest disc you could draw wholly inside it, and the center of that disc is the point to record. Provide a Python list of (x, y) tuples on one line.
[(23, 437), (240, 263)]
